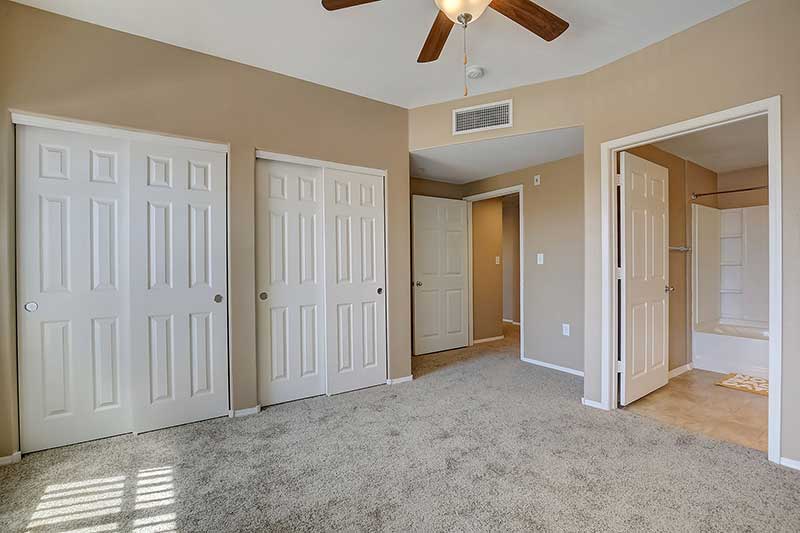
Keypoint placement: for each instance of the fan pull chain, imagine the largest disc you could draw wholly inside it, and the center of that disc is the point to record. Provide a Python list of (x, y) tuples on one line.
[(466, 90)]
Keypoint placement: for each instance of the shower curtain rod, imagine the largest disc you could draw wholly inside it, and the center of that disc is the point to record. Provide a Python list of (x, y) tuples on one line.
[(695, 195)]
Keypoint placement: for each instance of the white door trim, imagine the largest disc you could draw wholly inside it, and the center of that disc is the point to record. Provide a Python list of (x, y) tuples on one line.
[(519, 189), (297, 160), (102, 130), (771, 107)]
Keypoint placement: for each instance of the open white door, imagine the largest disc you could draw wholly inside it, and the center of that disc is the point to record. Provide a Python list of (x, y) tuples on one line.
[(290, 317), (645, 290), (440, 248), (179, 317), (355, 295)]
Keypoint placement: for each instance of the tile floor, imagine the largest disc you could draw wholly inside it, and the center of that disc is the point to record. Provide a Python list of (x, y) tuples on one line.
[(694, 402)]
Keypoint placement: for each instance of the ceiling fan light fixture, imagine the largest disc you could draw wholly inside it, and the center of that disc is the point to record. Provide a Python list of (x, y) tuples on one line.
[(454, 9)]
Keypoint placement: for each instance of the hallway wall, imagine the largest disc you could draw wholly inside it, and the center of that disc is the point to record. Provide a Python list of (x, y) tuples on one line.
[(487, 268)]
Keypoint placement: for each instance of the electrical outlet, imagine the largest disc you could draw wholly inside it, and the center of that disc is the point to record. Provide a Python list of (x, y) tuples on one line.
[(565, 330), (497, 260), (537, 180), (539, 259)]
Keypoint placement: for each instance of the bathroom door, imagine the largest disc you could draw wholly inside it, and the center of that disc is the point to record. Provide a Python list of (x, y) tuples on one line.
[(645, 281)]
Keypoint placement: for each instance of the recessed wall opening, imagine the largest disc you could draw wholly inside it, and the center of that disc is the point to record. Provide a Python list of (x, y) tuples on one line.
[(497, 228)]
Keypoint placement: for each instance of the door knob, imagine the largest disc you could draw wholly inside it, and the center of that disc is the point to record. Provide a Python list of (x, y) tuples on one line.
[(31, 306), (418, 284), (263, 296), (667, 288), (218, 298), (380, 290)]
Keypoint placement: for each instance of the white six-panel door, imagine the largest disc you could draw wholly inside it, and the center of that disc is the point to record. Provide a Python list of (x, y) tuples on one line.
[(440, 248), (645, 227), (72, 275), (178, 285), (355, 295), (122, 256), (290, 279)]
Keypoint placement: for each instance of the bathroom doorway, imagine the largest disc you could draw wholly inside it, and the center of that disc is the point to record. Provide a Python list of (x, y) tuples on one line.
[(708, 367)]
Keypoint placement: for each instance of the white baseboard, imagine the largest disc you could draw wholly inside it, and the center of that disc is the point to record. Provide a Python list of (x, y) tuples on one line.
[(593, 404), (11, 459), (553, 367), (790, 463), (395, 381), (489, 339), (675, 372), (238, 413)]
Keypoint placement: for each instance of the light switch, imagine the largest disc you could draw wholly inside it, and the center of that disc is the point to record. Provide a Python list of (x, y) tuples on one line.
[(539, 259), (537, 180), (565, 330), (497, 260)]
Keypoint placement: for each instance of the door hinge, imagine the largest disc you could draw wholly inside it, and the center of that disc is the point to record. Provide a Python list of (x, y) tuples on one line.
[(620, 273), (620, 367), (618, 180)]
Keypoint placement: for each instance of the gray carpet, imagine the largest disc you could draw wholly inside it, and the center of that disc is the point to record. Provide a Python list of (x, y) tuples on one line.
[(478, 441)]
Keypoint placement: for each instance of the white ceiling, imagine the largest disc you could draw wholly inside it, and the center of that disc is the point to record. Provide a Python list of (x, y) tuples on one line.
[(462, 163), (371, 50), (722, 149)]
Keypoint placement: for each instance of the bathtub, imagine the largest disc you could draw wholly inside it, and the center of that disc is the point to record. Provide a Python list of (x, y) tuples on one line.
[(731, 346)]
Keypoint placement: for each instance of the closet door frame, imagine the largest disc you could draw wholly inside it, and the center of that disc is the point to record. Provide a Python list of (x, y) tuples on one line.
[(23, 118), (378, 173)]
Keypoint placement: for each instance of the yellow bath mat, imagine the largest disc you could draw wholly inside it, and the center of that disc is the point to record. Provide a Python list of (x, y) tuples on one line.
[(745, 383)]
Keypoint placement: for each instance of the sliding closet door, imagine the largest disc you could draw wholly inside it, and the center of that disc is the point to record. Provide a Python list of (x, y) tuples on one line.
[(355, 271), (178, 285), (72, 279), (290, 280)]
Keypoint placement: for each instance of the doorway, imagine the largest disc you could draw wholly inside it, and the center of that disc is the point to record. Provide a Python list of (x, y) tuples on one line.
[(616, 343), (488, 264)]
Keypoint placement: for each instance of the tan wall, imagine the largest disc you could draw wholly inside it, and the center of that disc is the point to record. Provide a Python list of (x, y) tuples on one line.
[(742, 179), (553, 219), (54, 65), (487, 274), (746, 54), (438, 189), (511, 258), (685, 177)]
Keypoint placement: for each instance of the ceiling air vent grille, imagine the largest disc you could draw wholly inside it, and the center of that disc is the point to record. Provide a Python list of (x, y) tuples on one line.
[(483, 117)]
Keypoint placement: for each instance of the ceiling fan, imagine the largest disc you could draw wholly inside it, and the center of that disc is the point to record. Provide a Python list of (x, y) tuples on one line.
[(524, 12)]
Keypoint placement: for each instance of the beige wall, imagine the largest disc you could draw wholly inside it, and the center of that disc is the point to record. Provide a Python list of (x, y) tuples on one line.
[(746, 54), (438, 189), (511, 258), (742, 179), (487, 272), (53, 65), (553, 225)]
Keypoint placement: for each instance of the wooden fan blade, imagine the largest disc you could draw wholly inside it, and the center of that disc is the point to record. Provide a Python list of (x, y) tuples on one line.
[(333, 5), (436, 40), (531, 16)]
